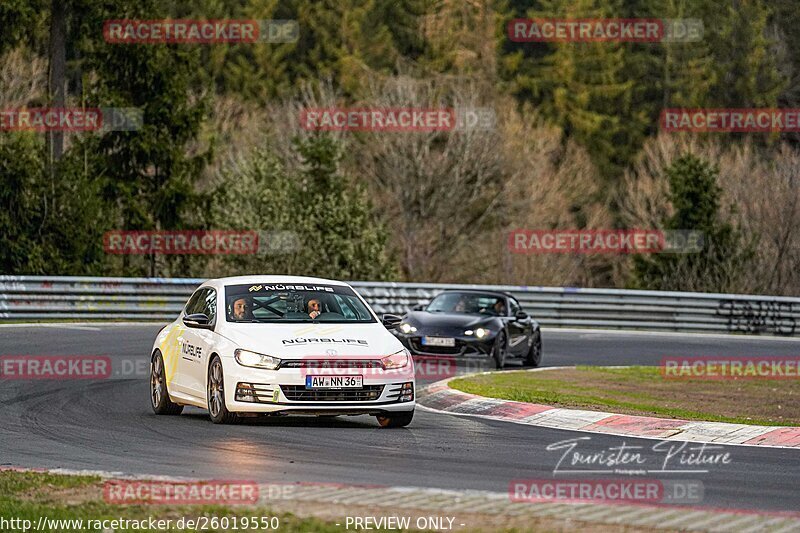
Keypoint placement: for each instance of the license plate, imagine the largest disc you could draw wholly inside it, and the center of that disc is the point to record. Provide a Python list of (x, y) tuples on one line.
[(334, 382), (438, 341)]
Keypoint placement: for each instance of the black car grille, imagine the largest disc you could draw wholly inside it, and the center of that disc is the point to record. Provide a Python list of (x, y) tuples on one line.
[(299, 393)]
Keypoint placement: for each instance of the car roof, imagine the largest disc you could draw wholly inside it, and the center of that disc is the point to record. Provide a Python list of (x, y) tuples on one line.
[(271, 279), (479, 291)]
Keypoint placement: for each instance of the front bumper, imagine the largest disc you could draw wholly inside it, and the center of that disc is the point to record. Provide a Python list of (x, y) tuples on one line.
[(284, 391), (465, 346)]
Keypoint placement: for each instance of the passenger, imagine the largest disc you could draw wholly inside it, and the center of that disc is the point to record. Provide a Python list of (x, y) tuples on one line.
[(240, 309), (500, 308), (314, 308)]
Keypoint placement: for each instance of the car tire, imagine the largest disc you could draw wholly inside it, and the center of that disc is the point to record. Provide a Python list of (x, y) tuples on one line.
[(215, 394), (534, 356), (160, 401), (499, 351), (395, 420)]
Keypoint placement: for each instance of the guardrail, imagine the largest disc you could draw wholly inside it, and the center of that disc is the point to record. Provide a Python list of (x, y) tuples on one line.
[(35, 298)]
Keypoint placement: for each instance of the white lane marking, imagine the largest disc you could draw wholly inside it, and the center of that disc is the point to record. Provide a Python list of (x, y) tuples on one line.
[(65, 326)]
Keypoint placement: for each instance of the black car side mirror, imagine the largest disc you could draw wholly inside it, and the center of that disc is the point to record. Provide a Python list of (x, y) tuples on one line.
[(521, 315), (197, 320), (391, 321), (418, 307)]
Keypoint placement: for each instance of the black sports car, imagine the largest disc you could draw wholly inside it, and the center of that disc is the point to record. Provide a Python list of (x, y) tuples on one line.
[(466, 323)]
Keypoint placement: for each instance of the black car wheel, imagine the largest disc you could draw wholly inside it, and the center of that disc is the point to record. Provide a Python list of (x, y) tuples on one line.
[(160, 401), (534, 356), (499, 350)]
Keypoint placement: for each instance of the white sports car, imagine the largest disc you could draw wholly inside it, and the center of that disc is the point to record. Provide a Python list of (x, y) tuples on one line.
[(281, 345)]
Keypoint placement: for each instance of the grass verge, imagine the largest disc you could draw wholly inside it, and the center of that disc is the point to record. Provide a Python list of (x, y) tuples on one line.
[(642, 390), (64, 500)]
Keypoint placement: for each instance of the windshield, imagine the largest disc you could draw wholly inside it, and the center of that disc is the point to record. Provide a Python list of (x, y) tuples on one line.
[(294, 303), (468, 303)]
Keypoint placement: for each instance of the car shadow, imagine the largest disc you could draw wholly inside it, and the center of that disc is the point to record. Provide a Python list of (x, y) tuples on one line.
[(359, 421)]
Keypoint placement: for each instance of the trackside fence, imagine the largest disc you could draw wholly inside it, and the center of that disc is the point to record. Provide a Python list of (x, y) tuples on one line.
[(41, 298)]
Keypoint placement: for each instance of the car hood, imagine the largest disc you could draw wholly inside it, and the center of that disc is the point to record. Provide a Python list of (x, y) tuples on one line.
[(446, 320), (300, 340)]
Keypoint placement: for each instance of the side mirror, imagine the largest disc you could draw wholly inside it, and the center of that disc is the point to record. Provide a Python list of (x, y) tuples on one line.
[(521, 315), (391, 321), (197, 320), (419, 307)]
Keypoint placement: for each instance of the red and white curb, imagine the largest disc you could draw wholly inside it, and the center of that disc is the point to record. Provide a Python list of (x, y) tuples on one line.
[(441, 398), (460, 504)]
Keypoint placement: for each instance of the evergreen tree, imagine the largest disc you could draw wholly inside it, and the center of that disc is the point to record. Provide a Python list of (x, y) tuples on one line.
[(21, 173), (335, 232), (695, 198), (744, 56), (585, 88), (17, 20), (347, 41), (47, 227), (148, 173), (336, 217)]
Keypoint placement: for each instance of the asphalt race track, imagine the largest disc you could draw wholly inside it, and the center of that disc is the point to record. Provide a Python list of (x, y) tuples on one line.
[(108, 425)]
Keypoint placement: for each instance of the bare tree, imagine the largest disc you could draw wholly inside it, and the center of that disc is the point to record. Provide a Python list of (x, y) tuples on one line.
[(760, 194), (23, 78)]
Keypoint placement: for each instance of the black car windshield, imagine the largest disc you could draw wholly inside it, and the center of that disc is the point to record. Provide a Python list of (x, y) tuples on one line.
[(268, 303), (468, 303)]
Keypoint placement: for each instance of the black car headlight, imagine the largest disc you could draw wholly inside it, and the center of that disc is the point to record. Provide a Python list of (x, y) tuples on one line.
[(480, 333), (406, 328)]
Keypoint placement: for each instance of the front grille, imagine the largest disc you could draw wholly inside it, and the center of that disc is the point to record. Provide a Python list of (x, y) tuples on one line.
[(299, 393), (327, 363)]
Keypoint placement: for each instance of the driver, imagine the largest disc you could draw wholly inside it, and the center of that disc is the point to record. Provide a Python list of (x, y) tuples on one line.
[(240, 309), (314, 308), (500, 308)]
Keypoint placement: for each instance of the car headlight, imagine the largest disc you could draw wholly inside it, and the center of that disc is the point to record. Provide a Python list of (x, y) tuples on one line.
[(257, 360), (396, 360), (406, 328), (480, 332)]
